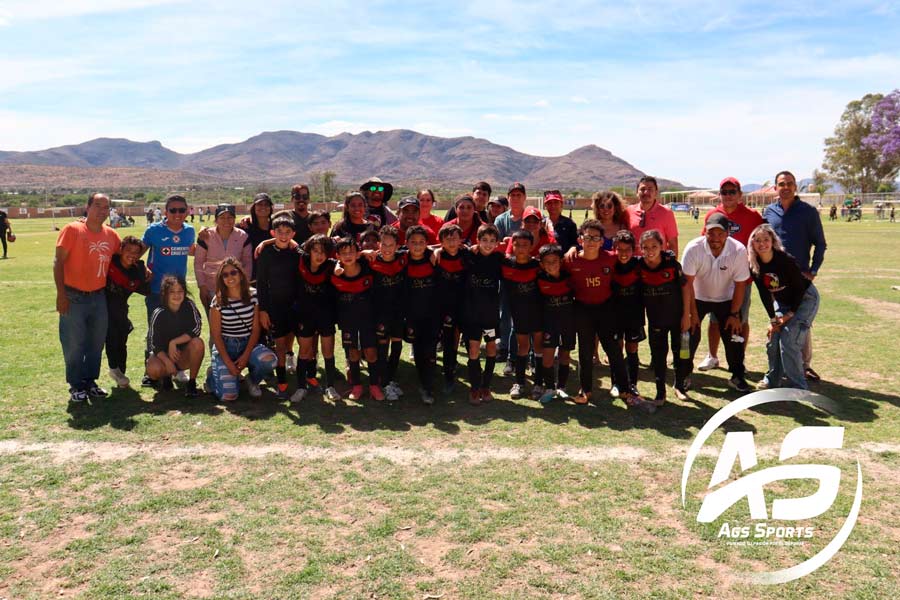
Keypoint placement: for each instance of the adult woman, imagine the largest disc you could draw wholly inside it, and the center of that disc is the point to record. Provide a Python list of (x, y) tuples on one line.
[(175, 337), (533, 221), (354, 222), (467, 219), (6, 230), (258, 225), (610, 211), (235, 330), (791, 301), (214, 246), (426, 203)]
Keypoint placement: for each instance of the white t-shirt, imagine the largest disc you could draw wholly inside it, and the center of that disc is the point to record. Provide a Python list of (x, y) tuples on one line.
[(715, 276)]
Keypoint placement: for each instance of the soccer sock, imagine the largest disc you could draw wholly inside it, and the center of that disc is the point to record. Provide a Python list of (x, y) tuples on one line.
[(449, 353), (488, 374), (383, 359), (394, 360), (548, 376), (281, 374), (521, 361), (562, 376), (474, 373), (355, 376), (330, 372), (301, 373), (374, 373), (632, 359), (312, 365)]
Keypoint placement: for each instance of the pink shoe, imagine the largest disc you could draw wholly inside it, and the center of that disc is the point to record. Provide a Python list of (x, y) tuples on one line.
[(356, 392), (376, 393)]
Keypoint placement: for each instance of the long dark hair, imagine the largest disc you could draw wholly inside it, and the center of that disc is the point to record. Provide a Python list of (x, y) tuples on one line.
[(168, 282), (222, 290), (620, 217)]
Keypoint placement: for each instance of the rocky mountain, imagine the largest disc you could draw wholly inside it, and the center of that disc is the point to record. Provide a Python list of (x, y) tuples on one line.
[(400, 156)]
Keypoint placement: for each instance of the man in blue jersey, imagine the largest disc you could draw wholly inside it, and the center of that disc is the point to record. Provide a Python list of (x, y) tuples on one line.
[(169, 242)]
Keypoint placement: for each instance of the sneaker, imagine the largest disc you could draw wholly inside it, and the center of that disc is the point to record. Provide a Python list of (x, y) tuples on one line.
[(390, 394), (396, 387), (182, 377), (77, 396), (739, 384), (298, 396), (561, 394), (474, 397), (508, 370), (147, 382), (614, 391), (190, 390), (356, 393), (289, 364), (486, 396), (312, 383), (537, 392), (376, 393), (682, 393), (427, 398), (331, 394), (548, 396), (515, 392), (708, 364), (119, 377), (763, 384), (811, 375), (582, 398), (95, 391), (253, 389)]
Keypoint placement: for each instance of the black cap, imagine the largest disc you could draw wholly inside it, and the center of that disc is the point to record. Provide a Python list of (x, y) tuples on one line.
[(718, 220), (520, 187), (223, 208), (408, 201)]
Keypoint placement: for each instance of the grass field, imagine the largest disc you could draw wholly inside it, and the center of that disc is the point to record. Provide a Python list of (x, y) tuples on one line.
[(154, 496)]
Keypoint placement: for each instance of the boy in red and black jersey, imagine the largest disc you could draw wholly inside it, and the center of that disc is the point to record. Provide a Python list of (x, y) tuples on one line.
[(595, 316), (127, 275), (451, 290), (422, 314), (626, 286), (519, 276), (316, 313), (353, 284), (389, 265), (558, 319), (665, 296)]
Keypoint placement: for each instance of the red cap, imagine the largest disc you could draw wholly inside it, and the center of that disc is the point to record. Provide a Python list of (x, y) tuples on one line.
[(553, 196), (733, 181), (532, 211)]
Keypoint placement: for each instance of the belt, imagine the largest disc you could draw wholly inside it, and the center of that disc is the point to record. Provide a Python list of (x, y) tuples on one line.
[(78, 292)]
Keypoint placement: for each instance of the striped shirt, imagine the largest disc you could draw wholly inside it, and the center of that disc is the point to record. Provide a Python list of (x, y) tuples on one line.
[(237, 315)]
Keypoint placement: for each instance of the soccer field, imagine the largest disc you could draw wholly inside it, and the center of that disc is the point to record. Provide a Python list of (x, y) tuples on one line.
[(150, 495)]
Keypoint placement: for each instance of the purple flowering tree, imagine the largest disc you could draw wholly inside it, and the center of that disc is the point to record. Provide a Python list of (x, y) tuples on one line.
[(885, 136)]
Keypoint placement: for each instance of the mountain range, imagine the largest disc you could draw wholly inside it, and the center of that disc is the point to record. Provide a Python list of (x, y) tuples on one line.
[(282, 157)]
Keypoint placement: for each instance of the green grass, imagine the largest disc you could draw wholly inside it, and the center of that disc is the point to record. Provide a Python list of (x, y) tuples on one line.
[(501, 521)]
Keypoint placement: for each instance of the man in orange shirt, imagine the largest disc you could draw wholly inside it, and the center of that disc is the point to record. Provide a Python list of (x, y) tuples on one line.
[(648, 214), (83, 253)]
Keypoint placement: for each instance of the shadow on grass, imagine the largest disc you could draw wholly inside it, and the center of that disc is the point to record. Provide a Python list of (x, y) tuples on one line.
[(122, 405)]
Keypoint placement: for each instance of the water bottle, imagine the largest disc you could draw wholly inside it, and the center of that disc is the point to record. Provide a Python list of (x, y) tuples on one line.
[(685, 351)]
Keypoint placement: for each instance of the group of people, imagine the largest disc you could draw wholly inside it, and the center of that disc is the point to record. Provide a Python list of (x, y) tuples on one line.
[(504, 279)]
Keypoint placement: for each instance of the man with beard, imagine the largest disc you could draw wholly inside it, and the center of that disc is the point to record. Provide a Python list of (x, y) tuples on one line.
[(378, 194), (300, 199)]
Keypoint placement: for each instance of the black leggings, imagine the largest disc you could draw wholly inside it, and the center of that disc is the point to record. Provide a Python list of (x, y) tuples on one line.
[(659, 352), (3, 239), (598, 320), (117, 340)]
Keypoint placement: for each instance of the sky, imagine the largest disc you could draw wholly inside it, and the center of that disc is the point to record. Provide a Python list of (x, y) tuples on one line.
[(692, 91)]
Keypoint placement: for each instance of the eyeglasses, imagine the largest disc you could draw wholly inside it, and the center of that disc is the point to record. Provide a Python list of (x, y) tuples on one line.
[(643, 221), (592, 238), (728, 192), (179, 211), (301, 197), (376, 188), (606, 206), (231, 273)]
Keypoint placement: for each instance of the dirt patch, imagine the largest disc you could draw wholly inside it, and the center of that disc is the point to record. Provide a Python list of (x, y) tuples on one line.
[(888, 311)]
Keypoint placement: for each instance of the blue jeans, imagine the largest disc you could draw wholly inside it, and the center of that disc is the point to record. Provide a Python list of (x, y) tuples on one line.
[(224, 384), (507, 343), (785, 349), (82, 333)]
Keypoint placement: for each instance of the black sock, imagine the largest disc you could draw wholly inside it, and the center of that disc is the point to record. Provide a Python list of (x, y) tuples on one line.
[(632, 359), (474, 373), (521, 362), (330, 372), (562, 376), (281, 374), (311, 367), (548, 376), (374, 373), (301, 373), (449, 353), (355, 377), (488, 374), (382, 359), (393, 361)]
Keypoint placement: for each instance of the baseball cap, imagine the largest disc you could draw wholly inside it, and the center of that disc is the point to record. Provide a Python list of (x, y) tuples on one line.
[(717, 220), (408, 201), (262, 197), (552, 197), (516, 187), (501, 200), (732, 180), (223, 208), (532, 211)]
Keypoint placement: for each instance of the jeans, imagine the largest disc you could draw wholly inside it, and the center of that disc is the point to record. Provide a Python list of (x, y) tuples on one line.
[(82, 332), (222, 382), (785, 348), (507, 343)]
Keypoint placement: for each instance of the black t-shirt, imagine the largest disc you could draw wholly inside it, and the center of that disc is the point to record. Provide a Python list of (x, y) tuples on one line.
[(661, 292), (277, 276), (166, 325), (421, 286), (482, 285), (301, 227), (780, 280), (348, 229)]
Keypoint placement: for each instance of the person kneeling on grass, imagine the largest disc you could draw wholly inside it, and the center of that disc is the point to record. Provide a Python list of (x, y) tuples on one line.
[(235, 330), (175, 337)]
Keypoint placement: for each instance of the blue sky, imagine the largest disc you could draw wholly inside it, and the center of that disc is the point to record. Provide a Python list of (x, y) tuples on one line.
[(692, 91)]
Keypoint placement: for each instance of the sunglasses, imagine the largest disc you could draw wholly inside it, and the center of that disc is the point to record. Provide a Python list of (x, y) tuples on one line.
[(376, 188), (643, 221), (728, 192), (592, 238), (606, 206), (231, 273), (179, 211), (301, 197)]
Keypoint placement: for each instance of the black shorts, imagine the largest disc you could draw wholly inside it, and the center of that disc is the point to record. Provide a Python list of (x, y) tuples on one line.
[(476, 332), (423, 331), (283, 318), (315, 325), (559, 329), (358, 338), (631, 334), (391, 326), (527, 319)]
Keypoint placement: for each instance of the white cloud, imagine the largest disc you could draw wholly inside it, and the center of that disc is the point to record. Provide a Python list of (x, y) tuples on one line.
[(26, 10), (579, 100)]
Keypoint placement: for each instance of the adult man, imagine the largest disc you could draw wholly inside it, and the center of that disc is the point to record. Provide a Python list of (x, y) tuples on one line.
[(481, 194), (741, 223), (507, 224), (716, 269), (378, 193), (300, 212), (84, 250), (169, 243), (409, 216), (648, 213), (800, 228), (564, 229)]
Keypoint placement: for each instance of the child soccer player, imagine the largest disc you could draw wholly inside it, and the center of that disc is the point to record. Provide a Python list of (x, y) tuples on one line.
[(369, 240), (595, 315), (127, 274), (389, 265), (451, 288), (626, 286), (320, 223), (356, 317), (276, 286), (667, 300), (558, 321), (482, 316), (421, 308), (316, 316), (519, 276)]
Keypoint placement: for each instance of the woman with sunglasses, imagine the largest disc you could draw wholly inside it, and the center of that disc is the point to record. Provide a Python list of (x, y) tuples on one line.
[(214, 246), (354, 222), (235, 331), (610, 211), (174, 336)]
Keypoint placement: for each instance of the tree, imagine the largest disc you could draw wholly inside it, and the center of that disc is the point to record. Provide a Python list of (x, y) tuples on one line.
[(857, 167), (885, 136), (820, 182)]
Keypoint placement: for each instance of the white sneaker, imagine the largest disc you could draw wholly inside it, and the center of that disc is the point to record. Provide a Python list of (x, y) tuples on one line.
[(394, 386), (253, 389), (390, 394), (298, 396), (332, 395), (614, 391), (508, 370), (289, 364), (182, 377), (119, 377), (515, 392), (709, 363)]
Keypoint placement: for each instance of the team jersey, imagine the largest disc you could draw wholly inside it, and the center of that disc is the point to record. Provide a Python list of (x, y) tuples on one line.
[(421, 285), (556, 292), (354, 297), (315, 295), (626, 287), (661, 291), (276, 276), (482, 281), (390, 281), (451, 282), (592, 279), (168, 251), (122, 282), (520, 282)]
